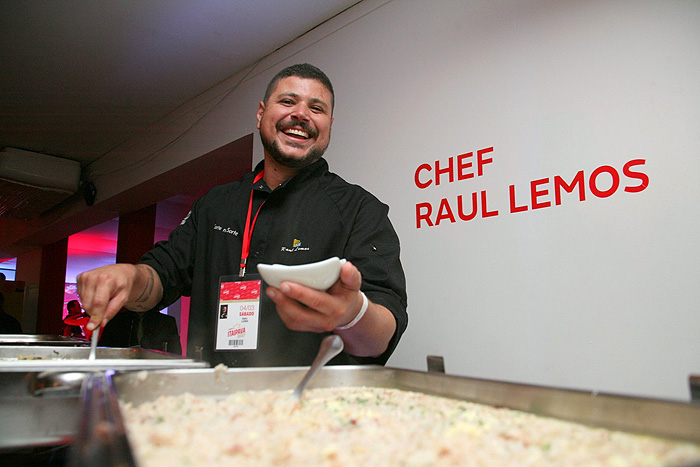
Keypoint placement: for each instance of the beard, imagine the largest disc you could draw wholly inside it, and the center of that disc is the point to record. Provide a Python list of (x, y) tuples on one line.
[(272, 148), (309, 158)]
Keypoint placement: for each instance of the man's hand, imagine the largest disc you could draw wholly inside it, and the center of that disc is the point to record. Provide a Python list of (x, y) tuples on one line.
[(106, 290), (302, 308)]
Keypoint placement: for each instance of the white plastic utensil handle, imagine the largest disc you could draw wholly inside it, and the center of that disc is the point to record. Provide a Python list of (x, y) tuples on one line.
[(363, 310)]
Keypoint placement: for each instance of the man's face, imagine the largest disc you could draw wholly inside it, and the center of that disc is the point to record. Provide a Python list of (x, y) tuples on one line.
[(295, 122)]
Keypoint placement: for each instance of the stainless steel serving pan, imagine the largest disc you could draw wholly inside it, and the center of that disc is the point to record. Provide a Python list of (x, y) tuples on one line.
[(43, 358), (40, 339), (667, 419), (30, 421), (39, 399)]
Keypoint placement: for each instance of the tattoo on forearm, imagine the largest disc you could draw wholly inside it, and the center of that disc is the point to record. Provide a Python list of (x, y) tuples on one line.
[(147, 289)]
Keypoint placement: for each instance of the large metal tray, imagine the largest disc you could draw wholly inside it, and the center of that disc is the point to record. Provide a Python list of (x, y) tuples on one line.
[(29, 420), (41, 339), (39, 399), (43, 358), (100, 408), (666, 419)]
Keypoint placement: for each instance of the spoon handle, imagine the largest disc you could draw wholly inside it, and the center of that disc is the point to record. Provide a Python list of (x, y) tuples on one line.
[(93, 343), (331, 346)]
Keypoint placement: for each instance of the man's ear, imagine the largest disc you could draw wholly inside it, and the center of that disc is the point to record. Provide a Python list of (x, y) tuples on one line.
[(261, 111)]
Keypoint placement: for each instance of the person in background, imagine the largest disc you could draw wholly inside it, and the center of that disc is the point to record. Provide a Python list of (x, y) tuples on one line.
[(149, 330), (74, 324), (8, 323), (290, 210)]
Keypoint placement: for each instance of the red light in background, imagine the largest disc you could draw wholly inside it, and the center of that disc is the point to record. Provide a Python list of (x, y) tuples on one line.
[(82, 243)]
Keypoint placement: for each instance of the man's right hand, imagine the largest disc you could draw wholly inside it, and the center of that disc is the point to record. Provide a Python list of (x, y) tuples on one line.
[(106, 290)]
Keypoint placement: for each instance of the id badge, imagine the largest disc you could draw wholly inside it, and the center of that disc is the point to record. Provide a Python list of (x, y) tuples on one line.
[(238, 313)]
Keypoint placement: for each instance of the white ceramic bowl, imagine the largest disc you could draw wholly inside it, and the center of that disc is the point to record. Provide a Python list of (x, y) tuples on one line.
[(319, 276)]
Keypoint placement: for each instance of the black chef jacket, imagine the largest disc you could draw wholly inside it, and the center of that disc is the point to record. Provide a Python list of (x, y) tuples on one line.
[(313, 216)]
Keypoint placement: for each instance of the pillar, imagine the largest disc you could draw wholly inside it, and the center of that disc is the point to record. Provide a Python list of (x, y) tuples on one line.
[(52, 283), (136, 233)]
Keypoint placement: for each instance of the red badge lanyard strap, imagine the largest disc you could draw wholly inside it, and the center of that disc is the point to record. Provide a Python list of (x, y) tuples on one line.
[(248, 232)]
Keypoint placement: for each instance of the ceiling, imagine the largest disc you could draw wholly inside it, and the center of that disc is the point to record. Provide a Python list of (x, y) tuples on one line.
[(80, 77)]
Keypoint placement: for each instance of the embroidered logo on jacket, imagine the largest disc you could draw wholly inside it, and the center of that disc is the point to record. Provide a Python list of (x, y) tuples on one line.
[(296, 246), (227, 230)]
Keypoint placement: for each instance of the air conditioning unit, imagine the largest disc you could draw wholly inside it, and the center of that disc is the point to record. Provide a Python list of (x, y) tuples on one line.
[(31, 183)]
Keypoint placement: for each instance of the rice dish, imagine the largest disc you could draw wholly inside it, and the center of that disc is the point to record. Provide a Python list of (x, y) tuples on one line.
[(365, 426)]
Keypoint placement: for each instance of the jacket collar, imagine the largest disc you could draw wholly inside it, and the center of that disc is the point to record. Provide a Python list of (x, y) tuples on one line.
[(314, 170)]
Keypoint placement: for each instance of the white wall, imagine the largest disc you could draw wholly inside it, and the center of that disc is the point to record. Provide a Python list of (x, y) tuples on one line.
[(601, 294)]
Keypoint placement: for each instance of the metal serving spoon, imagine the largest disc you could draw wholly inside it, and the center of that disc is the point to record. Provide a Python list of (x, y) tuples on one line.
[(331, 346), (93, 343)]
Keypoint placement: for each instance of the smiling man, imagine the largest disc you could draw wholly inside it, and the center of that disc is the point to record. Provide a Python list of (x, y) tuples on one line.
[(290, 210), (295, 120)]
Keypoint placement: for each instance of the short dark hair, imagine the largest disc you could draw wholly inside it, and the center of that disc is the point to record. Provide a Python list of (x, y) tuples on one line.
[(301, 70), (71, 303)]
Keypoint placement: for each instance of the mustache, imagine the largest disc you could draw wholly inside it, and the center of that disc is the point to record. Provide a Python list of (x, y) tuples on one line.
[(300, 125)]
